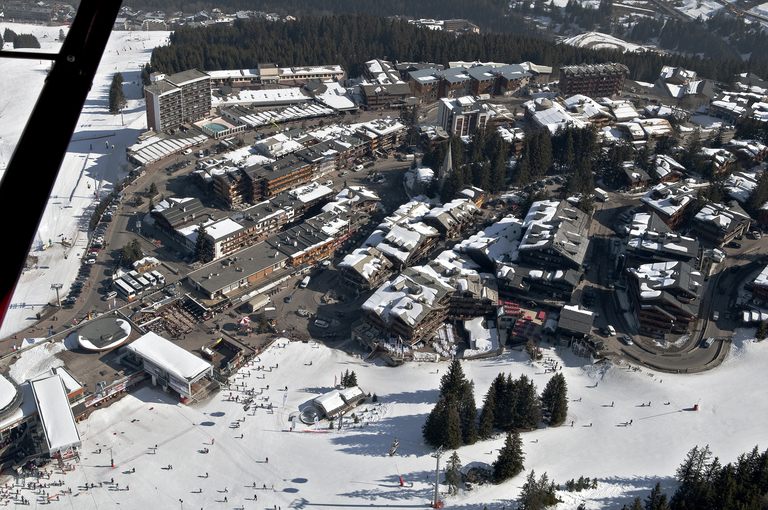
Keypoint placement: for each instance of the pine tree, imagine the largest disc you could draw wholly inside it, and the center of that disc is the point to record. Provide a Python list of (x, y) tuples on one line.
[(636, 505), (201, 251), (453, 473), (657, 500), (570, 155), (116, 94), (511, 457), (452, 435), (453, 381), (468, 413), (435, 425), (456, 396), (537, 494), (487, 418), (555, 399), (527, 410)]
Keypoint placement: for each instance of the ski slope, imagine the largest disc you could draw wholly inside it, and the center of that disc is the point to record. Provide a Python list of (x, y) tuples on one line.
[(94, 162), (350, 468)]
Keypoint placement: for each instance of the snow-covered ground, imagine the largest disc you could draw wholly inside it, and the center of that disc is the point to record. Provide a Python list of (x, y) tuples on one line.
[(695, 8), (95, 161), (351, 467), (600, 41)]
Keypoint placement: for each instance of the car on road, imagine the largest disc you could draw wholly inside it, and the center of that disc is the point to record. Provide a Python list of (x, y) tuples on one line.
[(287, 299), (90, 261), (611, 331), (707, 342), (627, 340), (715, 315), (322, 324), (301, 312)]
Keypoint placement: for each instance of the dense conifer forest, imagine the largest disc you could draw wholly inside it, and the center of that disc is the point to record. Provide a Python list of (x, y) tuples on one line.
[(350, 40), (488, 14)]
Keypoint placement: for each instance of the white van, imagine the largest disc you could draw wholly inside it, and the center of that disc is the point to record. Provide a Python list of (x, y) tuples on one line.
[(304, 282), (611, 330)]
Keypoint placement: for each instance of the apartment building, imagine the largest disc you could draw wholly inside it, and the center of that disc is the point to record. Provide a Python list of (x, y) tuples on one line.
[(718, 224), (555, 236), (666, 296), (594, 80), (177, 99), (462, 116)]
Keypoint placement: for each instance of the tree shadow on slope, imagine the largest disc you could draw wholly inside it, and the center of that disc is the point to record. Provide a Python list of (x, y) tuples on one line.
[(411, 397), (389, 488), (375, 438)]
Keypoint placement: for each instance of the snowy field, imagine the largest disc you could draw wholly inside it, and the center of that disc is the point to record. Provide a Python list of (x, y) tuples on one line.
[(351, 468), (95, 161), (600, 41)]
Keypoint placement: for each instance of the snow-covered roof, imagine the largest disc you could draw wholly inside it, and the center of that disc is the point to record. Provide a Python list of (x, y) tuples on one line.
[(311, 192), (409, 297), (720, 215), (648, 233), (558, 226), (740, 185), (335, 96), (223, 228), (669, 199), (55, 413), (658, 277), (762, 278), (330, 402), (367, 262), (664, 165), (262, 97), (169, 356), (551, 115)]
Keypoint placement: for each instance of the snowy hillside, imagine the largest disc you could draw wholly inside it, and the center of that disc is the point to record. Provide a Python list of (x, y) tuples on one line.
[(95, 161), (600, 41), (350, 468)]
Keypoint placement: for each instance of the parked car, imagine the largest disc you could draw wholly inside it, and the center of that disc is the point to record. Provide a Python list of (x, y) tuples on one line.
[(734, 244), (322, 324), (627, 340), (288, 298)]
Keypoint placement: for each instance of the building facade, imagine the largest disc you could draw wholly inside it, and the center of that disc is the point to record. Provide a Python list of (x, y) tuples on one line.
[(594, 80), (177, 99)]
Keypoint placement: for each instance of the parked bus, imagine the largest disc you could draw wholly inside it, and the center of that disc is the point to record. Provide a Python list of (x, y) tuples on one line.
[(143, 281), (124, 289), (133, 283), (150, 278), (601, 195)]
